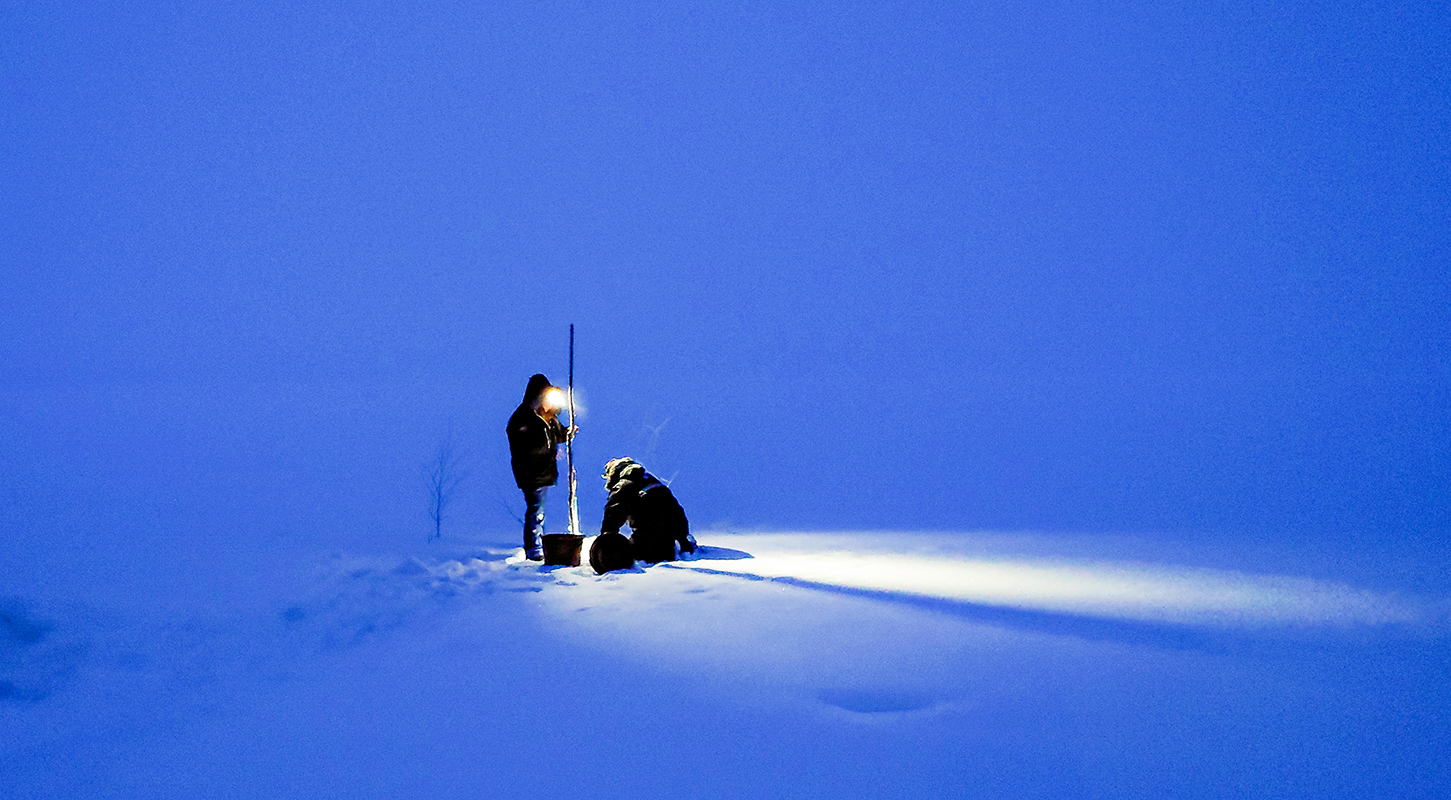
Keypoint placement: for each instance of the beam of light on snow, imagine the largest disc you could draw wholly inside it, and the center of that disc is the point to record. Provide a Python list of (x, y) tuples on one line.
[(1106, 590)]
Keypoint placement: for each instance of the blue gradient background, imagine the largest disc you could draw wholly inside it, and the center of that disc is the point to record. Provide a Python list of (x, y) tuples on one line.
[(1049, 266)]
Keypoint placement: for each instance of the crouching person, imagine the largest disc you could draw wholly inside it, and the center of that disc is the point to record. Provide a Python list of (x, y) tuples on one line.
[(659, 530)]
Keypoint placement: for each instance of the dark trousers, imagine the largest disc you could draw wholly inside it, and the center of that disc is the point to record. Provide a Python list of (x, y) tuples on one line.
[(652, 546), (534, 522)]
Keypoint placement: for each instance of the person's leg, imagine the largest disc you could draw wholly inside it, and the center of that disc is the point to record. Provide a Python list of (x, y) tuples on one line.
[(653, 547), (534, 523)]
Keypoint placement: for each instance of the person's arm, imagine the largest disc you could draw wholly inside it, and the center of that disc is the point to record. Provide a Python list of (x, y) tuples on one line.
[(557, 432), (616, 511)]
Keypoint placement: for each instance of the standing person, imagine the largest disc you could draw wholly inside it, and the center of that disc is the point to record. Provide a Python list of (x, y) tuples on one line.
[(535, 434), (638, 499)]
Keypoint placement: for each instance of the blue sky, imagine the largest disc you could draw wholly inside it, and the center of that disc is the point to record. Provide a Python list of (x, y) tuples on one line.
[(1071, 266)]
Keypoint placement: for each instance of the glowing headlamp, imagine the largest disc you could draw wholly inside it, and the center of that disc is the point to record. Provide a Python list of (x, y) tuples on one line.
[(554, 398)]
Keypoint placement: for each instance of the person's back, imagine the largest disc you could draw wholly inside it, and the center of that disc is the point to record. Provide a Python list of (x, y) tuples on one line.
[(657, 521)]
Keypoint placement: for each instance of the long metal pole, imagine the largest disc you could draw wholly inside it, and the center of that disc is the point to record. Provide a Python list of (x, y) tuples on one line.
[(569, 442)]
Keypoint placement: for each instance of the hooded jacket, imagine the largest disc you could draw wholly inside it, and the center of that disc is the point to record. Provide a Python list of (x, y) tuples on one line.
[(656, 520), (534, 441)]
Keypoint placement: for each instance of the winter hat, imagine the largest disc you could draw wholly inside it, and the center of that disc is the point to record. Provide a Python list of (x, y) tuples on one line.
[(619, 469), (615, 465)]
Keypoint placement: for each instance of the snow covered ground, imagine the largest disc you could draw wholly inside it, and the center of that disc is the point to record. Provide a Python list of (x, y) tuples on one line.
[(774, 665)]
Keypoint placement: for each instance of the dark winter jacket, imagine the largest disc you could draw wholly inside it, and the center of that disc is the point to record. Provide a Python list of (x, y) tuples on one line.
[(534, 441), (655, 518)]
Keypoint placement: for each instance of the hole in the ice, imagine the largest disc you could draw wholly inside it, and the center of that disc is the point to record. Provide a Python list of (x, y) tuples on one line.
[(874, 701)]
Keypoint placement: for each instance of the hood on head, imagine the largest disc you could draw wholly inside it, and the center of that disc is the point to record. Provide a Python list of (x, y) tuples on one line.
[(538, 384)]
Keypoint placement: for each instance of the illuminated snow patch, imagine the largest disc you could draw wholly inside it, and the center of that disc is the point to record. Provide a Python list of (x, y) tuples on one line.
[(1121, 591)]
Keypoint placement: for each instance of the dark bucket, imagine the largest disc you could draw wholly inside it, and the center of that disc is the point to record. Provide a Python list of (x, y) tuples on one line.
[(562, 549)]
